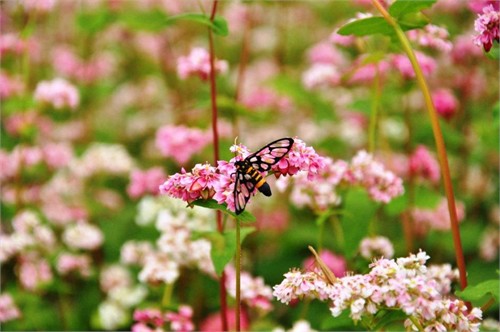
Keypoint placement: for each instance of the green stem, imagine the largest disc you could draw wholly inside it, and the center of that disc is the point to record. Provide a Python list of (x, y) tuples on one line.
[(438, 137), (238, 273), (416, 323), (167, 294)]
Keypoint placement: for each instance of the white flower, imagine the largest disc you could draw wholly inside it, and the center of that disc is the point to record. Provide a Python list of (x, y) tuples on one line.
[(112, 316)]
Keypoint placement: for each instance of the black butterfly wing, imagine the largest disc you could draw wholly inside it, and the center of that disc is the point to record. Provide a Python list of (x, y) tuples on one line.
[(270, 154), (243, 188)]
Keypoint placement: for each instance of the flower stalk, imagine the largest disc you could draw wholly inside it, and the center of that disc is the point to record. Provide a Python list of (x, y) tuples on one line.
[(215, 138), (438, 137)]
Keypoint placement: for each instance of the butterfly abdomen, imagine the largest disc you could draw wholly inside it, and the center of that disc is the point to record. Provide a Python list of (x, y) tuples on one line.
[(251, 174)]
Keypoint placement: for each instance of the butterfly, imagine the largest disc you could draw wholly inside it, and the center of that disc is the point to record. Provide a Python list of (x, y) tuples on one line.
[(248, 170)]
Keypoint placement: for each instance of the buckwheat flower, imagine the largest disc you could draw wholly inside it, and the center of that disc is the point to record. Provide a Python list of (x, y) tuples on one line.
[(197, 63), (254, 292), (422, 164), (101, 158), (486, 25), (437, 218), (9, 86), (300, 158), (8, 309), (445, 102), (128, 296), (489, 245), (263, 98), (403, 65), (135, 252), (464, 52), (57, 155), (432, 36), (58, 93), (336, 263), (341, 40), (112, 316), (34, 272), (365, 73), (320, 75), (181, 142), (149, 317), (375, 247), (159, 268), (298, 285), (145, 182), (181, 320), (13, 244), (326, 53), (83, 236), (68, 263), (477, 6), (444, 275), (381, 184), (114, 276)]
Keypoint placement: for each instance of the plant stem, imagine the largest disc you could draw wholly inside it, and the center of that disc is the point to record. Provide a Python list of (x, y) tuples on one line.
[(215, 137), (238, 274), (167, 294), (416, 323), (438, 137)]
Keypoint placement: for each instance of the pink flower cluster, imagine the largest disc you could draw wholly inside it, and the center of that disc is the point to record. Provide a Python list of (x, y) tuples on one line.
[(445, 102), (437, 218), (145, 182), (422, 164), (8, 309), (376, 247), (318, 190), (263, 98), (403, 65), (58, 93), (197, 63), (9, 86), (432, 36), (153, 320), (205, 181), (405, 284), (69, 263), (68, 64), (486, 25), (181, 142), (254, 293)]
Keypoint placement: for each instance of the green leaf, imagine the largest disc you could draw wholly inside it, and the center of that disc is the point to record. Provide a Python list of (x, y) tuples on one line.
[(388, 317), (366, 27), (413, 21), (153, 20), (474, 293), (426, 198), (93, 22), (359, 209), (244, 217), (403, 7), (218, 26), (223, 246)]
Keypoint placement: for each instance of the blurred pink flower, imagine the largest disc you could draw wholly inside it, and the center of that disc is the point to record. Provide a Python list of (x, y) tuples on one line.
[(336, 263), (181, 320), (376, 247), (145, 182), (432, 36), (8, 309), (341, 40), (253, 291), (114, 277), (68, 263), (39, 6), (326, 53), (366, 72), (320, 75), (445, 102), (437, 218), (486, 25), (68, 64), (267, 99), (11, 43), (424, 165), (34, 272), (19, 124), (82, 235), (181, 142), (275, 220), (478, 6), (57, 155), (404, 66), (197, 63), (149, 319), (59, 93), (465, 52), (135, 252), (213, 322), (9, 86)]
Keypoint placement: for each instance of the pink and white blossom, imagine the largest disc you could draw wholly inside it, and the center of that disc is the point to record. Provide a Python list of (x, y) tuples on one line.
[(197, 63), (58, 93)]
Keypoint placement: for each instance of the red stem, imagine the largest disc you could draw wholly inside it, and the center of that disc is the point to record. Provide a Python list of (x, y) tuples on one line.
[(215, 135)]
